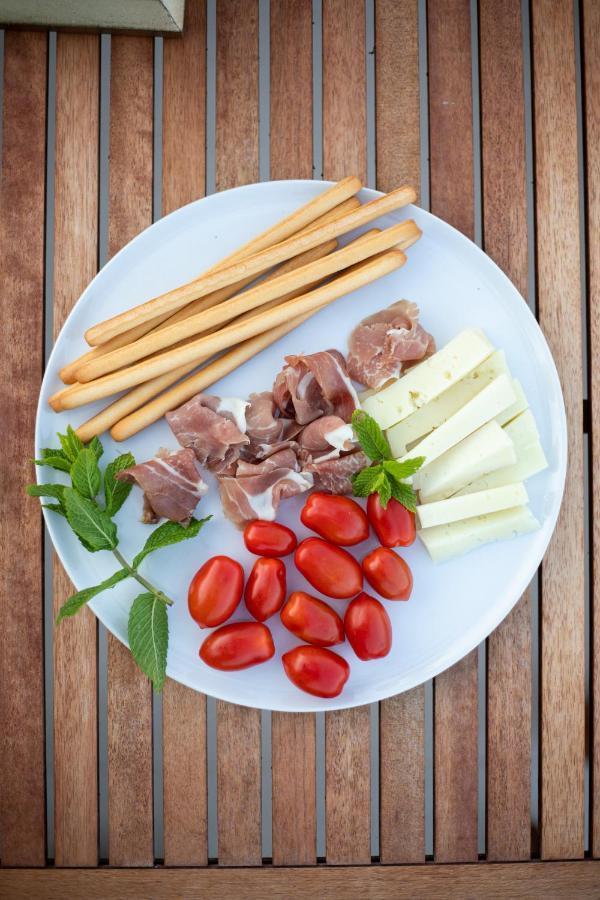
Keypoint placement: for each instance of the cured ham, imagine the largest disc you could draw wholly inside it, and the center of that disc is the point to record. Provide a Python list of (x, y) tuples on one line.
[(267, 431), (328, 435), (171, 483), (334, 475), (315, 385), (383, 345), (213, 427)]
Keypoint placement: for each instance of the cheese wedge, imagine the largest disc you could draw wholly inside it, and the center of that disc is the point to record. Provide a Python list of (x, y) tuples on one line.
[(428, 380), (442, 512), (519, 406), (522, 430), (485, 450), (530, 461), (445, 542), (481, 409)]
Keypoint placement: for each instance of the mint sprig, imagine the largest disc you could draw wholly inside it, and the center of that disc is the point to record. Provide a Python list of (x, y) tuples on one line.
[(386, 476), (92, 523)]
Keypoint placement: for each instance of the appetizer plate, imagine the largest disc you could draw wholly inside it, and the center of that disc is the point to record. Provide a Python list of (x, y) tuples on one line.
[(454, 606)]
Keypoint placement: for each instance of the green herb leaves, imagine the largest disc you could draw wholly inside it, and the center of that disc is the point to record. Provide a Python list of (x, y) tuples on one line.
[(167, 534), (74, 603), (148, 635), (92, 525), (387, 477), (117, 492), (85, 473)]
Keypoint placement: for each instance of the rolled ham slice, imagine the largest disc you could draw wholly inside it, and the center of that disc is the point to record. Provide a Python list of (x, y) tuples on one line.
[(171, 483), (315, 385), (213, 427), (334, 475)]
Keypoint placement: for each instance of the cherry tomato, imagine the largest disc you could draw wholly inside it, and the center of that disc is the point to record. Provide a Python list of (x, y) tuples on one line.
[(237, 646), (394, 525), (337, 519), (388, 574), (269, 538), (312, 620), (215, 591), (330, 570), (368, 627), (265, 588), (316, 670)]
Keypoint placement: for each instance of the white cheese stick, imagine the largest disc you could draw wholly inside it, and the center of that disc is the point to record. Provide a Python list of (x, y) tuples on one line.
[(530, 461), (429, 379), (445, 542), (481, 409), (519, 406), (406, 433), (485, 450), (442, 512)]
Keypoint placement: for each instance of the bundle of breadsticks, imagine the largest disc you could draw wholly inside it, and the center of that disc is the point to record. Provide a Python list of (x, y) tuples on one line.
[(164, 351)]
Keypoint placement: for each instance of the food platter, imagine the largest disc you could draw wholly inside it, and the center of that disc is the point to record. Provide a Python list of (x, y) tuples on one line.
[(453, 606)]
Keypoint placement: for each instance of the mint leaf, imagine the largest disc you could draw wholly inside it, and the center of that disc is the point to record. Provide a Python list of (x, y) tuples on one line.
[(403, 493), (46, 490), (76, 601), (117, 492), (92, 525), (96, 446), (55, 507), (372, 439), (367, 481), (402, 470), (167, 534), (385, 491), (85, 474), (71, 444), (148, 635), (56, 459)]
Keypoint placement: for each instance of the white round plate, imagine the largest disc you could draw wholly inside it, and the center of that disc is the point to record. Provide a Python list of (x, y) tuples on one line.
[(453, 606)]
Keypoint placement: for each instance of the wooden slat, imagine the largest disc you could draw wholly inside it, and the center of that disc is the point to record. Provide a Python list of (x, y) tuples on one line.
[(401, 718), (591, 60), (505, 239), (184, 710), (238, 728), (291, 89), (75, 264), (348, 786), (451, 187), (21, 353), (129, 693), (293, 747), (559, 304)]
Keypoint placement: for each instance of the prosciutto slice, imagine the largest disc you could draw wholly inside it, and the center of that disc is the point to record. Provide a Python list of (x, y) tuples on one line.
[(267, 431), (334, 475), (383, 345), (329, 434), (315, 385), (213, 428), (257, 489), (171, 484)]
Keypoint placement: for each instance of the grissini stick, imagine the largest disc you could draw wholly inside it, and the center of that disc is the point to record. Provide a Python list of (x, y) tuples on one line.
[(369, 271), (67, 373), (260, 262), (402, 235)]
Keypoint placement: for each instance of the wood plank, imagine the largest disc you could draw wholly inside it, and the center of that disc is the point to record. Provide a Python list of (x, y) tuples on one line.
[(344, 89), (451, 189), (22, 800), (75, 264), (509, 881), (591, 75), (184, 710), (505, 240), (291, 89), (348, 786), (401, 718), (129, 693), (293, 735), (559, 304), (238, 773)]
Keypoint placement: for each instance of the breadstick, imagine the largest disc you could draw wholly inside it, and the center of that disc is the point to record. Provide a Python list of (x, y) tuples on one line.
[(262, 293), (369, 271), (205, 284)]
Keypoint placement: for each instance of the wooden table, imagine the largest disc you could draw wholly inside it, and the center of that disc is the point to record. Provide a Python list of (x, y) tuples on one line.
[(492, 111)]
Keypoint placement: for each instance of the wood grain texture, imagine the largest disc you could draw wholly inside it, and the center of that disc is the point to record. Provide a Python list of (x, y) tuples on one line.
[(184, 710), (591, 79), (129, 693), (237, 93), (451, 188), (75, 264), (348, 786), (401, 718), (505, 240), (559, 305), (517, 881), (397, 93), (293, 755), (291, 89), (344, 89), (22, 798), (238, 785)]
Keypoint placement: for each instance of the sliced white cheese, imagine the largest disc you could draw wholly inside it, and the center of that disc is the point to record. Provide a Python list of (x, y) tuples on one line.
[(429, 379), (481, 503), (445, 542), (485, 450), (406, 433), (483, 407), (522, 430), (530, 461), (515, 408)]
